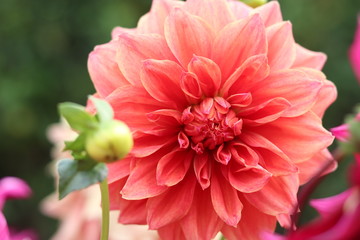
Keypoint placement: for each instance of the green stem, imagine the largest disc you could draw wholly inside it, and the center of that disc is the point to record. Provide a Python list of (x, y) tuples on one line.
[(105, 210)]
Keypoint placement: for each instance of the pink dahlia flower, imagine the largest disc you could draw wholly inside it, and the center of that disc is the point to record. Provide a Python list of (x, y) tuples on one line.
[(355, 51), (225, 110), (80, 212), (13, 188)]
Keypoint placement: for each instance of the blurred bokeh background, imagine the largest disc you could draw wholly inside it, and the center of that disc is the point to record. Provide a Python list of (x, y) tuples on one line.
[(43, 56)]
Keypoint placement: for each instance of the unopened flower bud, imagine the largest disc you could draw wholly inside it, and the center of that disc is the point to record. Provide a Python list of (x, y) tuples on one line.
[(110, 142), (254, 3)]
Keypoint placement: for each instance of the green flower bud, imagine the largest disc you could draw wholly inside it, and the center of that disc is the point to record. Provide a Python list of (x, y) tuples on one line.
[(254, 3), (112, 141)]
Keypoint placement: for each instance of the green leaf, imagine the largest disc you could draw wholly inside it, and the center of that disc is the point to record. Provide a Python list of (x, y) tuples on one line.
[(103, 109), (77, 145), (76, 175), (77, 117)]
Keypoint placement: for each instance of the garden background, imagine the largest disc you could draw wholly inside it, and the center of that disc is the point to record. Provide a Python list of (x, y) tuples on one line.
[(43, 56)]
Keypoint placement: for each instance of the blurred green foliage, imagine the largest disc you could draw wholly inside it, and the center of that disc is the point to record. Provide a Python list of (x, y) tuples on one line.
[(43, 54)]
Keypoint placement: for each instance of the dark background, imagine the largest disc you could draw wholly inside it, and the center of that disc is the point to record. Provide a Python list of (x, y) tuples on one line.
[(43, 55)]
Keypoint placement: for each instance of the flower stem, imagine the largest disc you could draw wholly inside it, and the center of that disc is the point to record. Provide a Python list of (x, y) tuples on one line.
[(105, 209)]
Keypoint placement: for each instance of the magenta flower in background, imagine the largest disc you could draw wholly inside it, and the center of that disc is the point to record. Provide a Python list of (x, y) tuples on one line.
[(225, 110), (355, 51), (13, 188), (339, 215)]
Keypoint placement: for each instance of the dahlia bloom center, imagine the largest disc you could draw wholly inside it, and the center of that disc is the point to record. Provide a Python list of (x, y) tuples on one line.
[(210, 124)]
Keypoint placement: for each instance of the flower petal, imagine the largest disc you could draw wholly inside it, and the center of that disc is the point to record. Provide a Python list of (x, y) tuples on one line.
[(248, 179), (253, 223), (132, 49), (132, 212), (307, 58), (215, 12), (208, 73), (310, 136), (292, 85), (238, 41), (270, 13), (225, 200), (310, 168), (281, 46), (248, 75), (265, 112), (239, 9), (104, 70), (354, 51), (4, 231), (171, 205), (153, 22), (119, 169), (173, 167), (172, 231), (186, 35), (161, 79), (203, 216), (142, 182), (203, 169), (277, 196)]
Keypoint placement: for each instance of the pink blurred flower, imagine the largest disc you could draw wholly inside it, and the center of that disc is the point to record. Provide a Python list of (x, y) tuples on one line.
[(339, 215), (80, 212), (225, 110), (13, 188), (355, 51)]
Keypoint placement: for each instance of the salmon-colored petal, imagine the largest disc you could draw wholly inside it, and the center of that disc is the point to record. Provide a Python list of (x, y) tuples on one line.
[(265, 112), (292, 85), (238, 41), (171, 205), (310, 136), (277, 196), (142, 182), (281, 46), (132, 212), (239, 9), (272, 158), (132, 49), (225, 200), (327, 95), (172, 231), (307, 58), (202, 215), (270, 13), (203, 169), (147, 144), (165, 117), (252, 224), (187, 35), (277, 163), (248, 75), (243, 154), (215, 12), (104, 70), (208, 73), (153, 22), (248, 179), (161, 79), (120, 30), (173, 167), (119, 169), (190, 85), (114, 193), (310, 168)]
